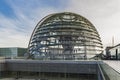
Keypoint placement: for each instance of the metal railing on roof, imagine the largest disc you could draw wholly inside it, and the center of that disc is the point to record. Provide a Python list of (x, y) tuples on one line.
[(100, 73)]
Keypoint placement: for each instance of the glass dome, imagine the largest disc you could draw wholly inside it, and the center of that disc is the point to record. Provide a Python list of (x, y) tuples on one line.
[(64, 36)]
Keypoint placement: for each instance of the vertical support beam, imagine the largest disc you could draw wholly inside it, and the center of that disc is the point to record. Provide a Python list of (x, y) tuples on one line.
[(0, 74), (116, 54), (85, 56)]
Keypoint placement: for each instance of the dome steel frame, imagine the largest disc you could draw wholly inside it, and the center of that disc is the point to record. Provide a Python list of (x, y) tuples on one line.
[(64, 36)]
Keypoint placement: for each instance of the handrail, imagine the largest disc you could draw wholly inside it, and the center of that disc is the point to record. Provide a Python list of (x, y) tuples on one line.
[(101, 72)]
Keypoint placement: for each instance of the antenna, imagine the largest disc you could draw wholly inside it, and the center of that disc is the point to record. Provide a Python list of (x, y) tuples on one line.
[(113, 41)]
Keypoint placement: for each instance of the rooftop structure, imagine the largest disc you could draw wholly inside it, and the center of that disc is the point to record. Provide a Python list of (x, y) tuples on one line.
[(113, 52), (12, 52), (64, 36), (19, 69)]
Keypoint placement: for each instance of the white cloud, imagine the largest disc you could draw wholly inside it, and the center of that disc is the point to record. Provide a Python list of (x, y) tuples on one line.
[(9, 28), (105, 15), (16, 32)]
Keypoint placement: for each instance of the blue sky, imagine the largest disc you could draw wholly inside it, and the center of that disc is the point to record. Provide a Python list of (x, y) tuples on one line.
[(5, 9), (19, 17)]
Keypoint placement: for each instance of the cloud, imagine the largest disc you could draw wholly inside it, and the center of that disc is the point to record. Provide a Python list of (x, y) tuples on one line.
[(105, 15), (8, 29), (17, 30)]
